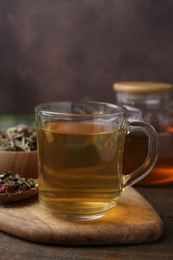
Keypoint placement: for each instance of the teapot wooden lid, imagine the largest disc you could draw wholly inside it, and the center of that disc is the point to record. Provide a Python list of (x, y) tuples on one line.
[(142, 87)]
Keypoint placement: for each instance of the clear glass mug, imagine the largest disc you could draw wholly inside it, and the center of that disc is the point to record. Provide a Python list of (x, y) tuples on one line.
[(80, 156)]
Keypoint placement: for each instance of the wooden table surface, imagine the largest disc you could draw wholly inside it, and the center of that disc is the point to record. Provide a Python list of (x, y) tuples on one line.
[(161, 198)]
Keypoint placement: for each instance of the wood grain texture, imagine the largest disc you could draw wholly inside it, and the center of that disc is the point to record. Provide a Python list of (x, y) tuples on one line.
[(133, 220), (24, 163)]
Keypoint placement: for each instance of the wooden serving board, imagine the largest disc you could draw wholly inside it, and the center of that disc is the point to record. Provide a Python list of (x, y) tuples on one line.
[(133, 220)]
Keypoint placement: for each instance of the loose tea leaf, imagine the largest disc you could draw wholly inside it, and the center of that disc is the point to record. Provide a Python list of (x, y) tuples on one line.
[(13, 183), (18, 138)]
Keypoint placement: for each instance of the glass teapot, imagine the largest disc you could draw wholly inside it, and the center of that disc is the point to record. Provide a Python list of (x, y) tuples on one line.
[(153, 103)]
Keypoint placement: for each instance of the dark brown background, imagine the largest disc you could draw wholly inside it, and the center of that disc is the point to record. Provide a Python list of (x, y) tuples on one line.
[(76, 49)]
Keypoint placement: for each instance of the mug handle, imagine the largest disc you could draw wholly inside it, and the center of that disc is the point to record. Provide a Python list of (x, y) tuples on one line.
[(152, 155)]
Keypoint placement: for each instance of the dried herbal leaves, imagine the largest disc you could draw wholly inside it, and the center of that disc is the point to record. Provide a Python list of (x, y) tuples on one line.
[(13, 183), (18, 138)]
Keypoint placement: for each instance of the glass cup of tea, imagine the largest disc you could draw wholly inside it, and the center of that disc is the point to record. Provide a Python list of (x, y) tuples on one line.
[(80, 157)]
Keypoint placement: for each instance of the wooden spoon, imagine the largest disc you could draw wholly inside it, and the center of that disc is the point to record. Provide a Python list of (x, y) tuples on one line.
[(21, 195)]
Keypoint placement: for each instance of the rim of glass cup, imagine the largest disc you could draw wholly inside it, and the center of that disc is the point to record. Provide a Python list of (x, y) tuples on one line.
[(46, 108)]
